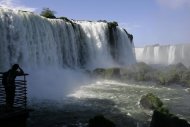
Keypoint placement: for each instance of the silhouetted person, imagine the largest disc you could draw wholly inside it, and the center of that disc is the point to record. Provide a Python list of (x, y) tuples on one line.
[(9, 84)]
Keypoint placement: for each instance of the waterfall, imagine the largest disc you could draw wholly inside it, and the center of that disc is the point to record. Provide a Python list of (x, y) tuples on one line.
[(164, 54), (55, 52), (37, 42)]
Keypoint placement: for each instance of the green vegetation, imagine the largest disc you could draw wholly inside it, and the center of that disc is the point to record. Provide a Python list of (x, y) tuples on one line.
[(46, 12), (112, 24), (138, 72), (102, 21), (161, 115), (172, 74), (150, 101), (163, 110), (107, 73)]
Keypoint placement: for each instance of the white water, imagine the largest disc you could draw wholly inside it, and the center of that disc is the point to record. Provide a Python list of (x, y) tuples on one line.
[(165, 55), (54, 52), (37, 42), (126, 97)]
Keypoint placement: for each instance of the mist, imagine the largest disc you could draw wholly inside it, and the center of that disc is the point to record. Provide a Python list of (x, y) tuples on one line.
[(55, 84)]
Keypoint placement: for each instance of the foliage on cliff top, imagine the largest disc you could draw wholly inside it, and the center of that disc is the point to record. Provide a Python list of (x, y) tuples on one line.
[(112, 24), (48, 13)]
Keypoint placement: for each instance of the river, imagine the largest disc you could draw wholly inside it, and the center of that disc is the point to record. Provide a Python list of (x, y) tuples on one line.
[(117, 101)]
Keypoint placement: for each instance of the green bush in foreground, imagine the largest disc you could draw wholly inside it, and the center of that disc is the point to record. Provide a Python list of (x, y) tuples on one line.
[(150, 101)]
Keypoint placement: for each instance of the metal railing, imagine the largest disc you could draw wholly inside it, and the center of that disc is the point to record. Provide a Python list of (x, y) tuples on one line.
[(20, 100)]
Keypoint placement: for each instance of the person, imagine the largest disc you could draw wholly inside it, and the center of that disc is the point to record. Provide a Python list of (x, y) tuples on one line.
[(9, 84)]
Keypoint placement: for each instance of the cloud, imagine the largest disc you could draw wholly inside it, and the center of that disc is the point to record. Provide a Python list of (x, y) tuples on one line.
[(16, 5), (174, 4)]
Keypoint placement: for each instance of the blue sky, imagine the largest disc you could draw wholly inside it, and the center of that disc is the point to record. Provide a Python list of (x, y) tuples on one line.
[(150, 21)]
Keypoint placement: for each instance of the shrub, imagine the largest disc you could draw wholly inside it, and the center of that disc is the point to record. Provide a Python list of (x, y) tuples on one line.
[(150, 101), (112, 24), (186, 77), (46, 12)]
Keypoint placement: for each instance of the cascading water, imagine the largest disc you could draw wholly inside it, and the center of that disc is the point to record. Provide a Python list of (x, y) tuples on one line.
[(165, 55), (36, 42), (49, 48)]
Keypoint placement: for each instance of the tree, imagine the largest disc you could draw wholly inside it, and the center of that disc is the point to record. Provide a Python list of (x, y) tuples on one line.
[(46, 12)]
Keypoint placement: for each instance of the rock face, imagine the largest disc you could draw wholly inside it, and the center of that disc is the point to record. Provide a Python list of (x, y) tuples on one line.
[(160, 119), (100, 121), (150, 101)]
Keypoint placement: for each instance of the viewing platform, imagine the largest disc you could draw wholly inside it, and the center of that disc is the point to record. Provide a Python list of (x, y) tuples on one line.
[(17, 116)]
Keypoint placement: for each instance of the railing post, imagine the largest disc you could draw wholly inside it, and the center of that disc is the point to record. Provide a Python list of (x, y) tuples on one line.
[(20, 100), (25, 105), (18, 116)]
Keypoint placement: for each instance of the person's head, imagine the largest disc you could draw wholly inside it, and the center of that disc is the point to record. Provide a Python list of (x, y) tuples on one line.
[(15, 67)]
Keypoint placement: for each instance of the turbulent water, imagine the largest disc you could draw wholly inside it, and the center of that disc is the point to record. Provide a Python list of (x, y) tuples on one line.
[(126, 96), (165, 55), (117, 101)]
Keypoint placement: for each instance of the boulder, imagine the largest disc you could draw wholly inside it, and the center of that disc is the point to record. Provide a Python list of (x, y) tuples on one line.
[(100, 121), (162, 119), (150, 101)]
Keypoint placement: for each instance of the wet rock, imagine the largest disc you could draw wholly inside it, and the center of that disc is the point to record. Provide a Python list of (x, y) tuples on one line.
[(161, 119), (150, 101), (187, 90), (100, 121), (130, 36), (107, 73)]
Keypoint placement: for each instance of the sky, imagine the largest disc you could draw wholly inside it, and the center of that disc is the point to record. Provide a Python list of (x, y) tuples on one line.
[(150, 21)]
